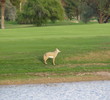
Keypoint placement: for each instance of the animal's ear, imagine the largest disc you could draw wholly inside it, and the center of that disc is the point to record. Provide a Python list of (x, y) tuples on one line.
[(56, 49), (59, 51)]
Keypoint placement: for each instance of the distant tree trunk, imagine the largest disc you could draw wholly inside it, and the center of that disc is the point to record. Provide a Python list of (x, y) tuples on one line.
[(77, 15), (79, 18), (100, 18), (20, 6), (106, 19), (2, 13), (103, 18)]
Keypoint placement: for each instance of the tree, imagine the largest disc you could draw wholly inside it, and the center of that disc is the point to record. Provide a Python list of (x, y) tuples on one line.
[(87, 12), (87, 9), (22, 2), (2, 13), (101, 9), (18, 3), (10, 11), (72, 8), (40, 11), (55, 9)]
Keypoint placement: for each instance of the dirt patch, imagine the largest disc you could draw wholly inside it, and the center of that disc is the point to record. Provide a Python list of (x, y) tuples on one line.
[(46, 74), (91, 56), (44, 80), (103, 74), (107, 74), (83, 64)]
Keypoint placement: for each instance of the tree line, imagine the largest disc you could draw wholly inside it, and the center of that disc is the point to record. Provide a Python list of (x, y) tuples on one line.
[(39, 12)]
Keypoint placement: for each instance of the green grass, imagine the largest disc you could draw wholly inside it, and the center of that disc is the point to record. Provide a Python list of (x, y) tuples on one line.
[(84, 48), (12, 25)]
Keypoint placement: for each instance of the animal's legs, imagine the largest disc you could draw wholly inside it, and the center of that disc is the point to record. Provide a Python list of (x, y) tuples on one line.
[(45, 60), (53, 61)]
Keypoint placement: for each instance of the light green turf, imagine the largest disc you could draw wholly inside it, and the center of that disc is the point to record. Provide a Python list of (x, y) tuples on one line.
[(21, 49)]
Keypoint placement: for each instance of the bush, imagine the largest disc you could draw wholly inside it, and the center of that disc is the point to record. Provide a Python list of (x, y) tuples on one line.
[(40, 11), (86, 13)]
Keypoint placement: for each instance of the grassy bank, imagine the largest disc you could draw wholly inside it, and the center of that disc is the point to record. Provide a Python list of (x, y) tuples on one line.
[(84, 48)]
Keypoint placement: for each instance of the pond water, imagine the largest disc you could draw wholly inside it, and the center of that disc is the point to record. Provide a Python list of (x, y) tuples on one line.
[(93, 90)]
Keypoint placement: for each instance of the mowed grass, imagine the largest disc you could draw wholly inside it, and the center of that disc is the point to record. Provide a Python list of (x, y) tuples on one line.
[(84, 48)]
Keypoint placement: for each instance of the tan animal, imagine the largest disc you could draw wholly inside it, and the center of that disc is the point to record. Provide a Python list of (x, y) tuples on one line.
[(51, 55)]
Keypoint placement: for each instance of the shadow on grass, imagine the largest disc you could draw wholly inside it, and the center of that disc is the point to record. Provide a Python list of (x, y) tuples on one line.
[(49, 61)]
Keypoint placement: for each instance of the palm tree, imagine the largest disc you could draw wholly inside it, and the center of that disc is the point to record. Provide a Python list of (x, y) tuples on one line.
[(18, 3), (21, 3), (2, 13)]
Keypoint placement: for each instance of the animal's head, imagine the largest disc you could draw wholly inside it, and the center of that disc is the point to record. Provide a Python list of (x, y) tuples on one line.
[(58, 50)]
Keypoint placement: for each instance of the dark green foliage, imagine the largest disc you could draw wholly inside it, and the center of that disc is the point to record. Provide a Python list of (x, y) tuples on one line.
[(87, 9), (15, 2), (10, 11), (40, 11), (98, 8), (33, 13), (86, 13), (72, 8), (54, 8), (69, 8)]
